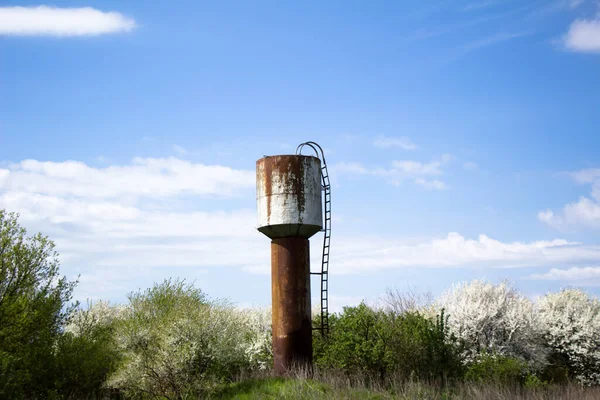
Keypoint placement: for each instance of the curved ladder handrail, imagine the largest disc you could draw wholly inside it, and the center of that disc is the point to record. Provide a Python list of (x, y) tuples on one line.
[(326, 187)]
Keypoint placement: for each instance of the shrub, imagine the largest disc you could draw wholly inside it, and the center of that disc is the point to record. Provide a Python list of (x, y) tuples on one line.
[(357, 342), (494, 319), (379, 344), (571, 324), (424, 348), (498, 370), (176, 343)]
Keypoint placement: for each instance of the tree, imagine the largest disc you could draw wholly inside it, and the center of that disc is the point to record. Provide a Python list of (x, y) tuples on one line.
[(33, 306), (494, 320), (571, 323)]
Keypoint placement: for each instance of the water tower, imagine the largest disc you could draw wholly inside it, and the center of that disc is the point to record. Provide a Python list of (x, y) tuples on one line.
[(289, 192)]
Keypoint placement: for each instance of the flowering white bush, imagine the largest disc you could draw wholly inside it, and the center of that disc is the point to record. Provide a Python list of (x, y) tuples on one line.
[(258, 323), (493, 319), (571, 323), (100, 313), (175, 342)]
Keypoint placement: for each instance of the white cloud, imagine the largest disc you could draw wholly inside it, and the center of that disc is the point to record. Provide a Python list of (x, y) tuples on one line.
[(562, 4), (470, 166), (478, 5), (116, 239), (583, 36), (52, 21), (144, 177), (364, 254), (431, 184), (404, 143), (342, 168), (418, 168), (111, 223), (574, 3), (546, 216), (361, 254), (179, 150), (401, 170), (585, 212), (589, 175), (493, 39), (571, 274)]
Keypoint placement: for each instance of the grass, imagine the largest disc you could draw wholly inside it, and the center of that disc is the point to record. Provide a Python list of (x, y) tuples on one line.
[(279, 388), (302, 388)]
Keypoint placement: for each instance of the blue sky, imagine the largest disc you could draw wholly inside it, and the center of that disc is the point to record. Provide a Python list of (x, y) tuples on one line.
[(462, 139)]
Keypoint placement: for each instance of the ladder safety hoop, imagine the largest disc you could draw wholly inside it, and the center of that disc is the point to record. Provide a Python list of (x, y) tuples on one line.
[(326, 188)]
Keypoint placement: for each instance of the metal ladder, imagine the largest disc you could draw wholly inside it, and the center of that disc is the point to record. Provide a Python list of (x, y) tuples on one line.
[(326, 188)]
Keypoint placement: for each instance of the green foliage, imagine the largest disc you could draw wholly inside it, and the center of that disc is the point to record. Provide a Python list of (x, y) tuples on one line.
[(33, 307), (495, 369), (85, 355), (423, 348), (176, 343), (534, 382), (380, 344), (358, 342)]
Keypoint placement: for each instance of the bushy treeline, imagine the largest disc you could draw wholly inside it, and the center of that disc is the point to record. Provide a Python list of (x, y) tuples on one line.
[(475, 332), (173, 342)]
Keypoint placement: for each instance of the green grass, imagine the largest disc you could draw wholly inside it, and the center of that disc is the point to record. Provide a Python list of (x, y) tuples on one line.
[(309, 389), (279, 388)]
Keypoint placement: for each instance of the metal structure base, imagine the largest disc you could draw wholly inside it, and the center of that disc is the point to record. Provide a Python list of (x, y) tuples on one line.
[(290, 286)]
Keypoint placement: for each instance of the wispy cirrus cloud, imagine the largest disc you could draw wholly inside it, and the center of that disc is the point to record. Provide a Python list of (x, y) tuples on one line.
[(470, 166), (492, 40), (572, 3), (483, 4), (54, 21), (421, 173), (439, 30), (180, 150)]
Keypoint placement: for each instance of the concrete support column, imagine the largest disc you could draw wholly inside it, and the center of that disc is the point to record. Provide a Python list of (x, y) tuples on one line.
[(290, 286)]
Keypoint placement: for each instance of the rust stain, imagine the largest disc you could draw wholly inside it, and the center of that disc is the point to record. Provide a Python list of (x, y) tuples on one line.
[(291, 171), (290, 287)]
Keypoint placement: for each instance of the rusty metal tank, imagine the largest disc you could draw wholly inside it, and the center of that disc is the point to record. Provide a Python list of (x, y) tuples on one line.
[(288, 194)]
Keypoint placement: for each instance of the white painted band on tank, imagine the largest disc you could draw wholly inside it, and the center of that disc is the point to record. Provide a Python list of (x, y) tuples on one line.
[(287, 204)]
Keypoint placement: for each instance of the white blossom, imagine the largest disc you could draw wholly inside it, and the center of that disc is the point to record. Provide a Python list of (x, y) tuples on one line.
[(570, 320), (97, 313), (493, 319)]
